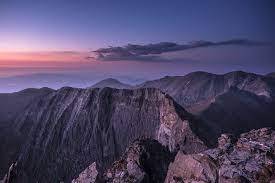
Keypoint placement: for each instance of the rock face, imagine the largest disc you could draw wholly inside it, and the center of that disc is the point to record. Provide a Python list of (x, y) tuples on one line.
[(89, 175), (251, 158), (70, 128), (145, 160)]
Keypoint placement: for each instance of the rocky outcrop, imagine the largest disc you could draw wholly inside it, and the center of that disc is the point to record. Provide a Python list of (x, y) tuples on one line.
[(70, 128), (193, 167), (145, 160), (11, 176), (89, 175), (250, 158)]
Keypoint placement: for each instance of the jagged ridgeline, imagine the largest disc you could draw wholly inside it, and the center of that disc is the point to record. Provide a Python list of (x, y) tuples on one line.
[(68, 129), (55, 134)]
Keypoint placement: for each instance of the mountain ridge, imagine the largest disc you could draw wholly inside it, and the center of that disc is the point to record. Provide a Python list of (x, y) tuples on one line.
[(72, 126)]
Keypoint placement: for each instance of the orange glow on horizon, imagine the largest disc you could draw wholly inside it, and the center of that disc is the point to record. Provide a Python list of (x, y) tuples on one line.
[(58, 56)]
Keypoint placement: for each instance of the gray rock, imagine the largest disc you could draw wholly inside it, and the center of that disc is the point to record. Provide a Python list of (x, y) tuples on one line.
[(89, 175), (146, 160), (191, 168), (11, 176)]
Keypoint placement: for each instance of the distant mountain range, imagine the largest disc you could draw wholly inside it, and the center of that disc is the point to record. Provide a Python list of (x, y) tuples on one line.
[(55, 134), (57, 80)]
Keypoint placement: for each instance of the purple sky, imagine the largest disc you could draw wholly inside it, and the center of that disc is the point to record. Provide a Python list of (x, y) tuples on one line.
[(57, 36)]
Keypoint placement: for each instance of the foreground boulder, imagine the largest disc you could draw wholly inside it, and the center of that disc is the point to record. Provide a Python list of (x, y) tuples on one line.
[(251, 158), (188, 168), (144, 161)]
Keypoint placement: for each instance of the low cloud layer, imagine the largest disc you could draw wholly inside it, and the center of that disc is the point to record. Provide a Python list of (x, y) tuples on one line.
[(151, 52)]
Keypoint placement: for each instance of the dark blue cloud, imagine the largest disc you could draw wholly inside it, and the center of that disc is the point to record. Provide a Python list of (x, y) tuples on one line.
[(151, 52)]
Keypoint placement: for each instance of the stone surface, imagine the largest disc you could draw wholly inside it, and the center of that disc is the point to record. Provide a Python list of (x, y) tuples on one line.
[(191, 168), (89, 175), (145, 160), (250, 158), (11, 176)]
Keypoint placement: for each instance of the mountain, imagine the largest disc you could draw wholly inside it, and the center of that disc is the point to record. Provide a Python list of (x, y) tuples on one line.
[(234, 102), (38, 80), (199, 87), (11, 106), (14, 103), (57, 81), (237, 111), (272, 74), (54, 135), (70, 128), (111, 83)]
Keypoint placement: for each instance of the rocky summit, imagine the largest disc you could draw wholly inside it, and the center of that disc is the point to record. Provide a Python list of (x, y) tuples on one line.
[(70, 128), (248, 158)]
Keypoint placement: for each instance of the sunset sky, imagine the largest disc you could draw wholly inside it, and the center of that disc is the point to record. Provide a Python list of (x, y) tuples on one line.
[(164, 37)]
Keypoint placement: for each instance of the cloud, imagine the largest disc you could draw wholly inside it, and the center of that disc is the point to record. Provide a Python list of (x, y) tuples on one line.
[(151, 52)]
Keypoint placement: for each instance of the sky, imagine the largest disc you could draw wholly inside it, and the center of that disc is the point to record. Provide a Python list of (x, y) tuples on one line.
[(137, 39)]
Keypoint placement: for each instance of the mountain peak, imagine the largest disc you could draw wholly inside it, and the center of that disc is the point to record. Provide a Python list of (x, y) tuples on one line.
[(112, 83)]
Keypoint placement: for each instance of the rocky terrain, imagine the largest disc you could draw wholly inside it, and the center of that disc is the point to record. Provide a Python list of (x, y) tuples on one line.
[(145, 160), (69, 128), (248, 158)]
